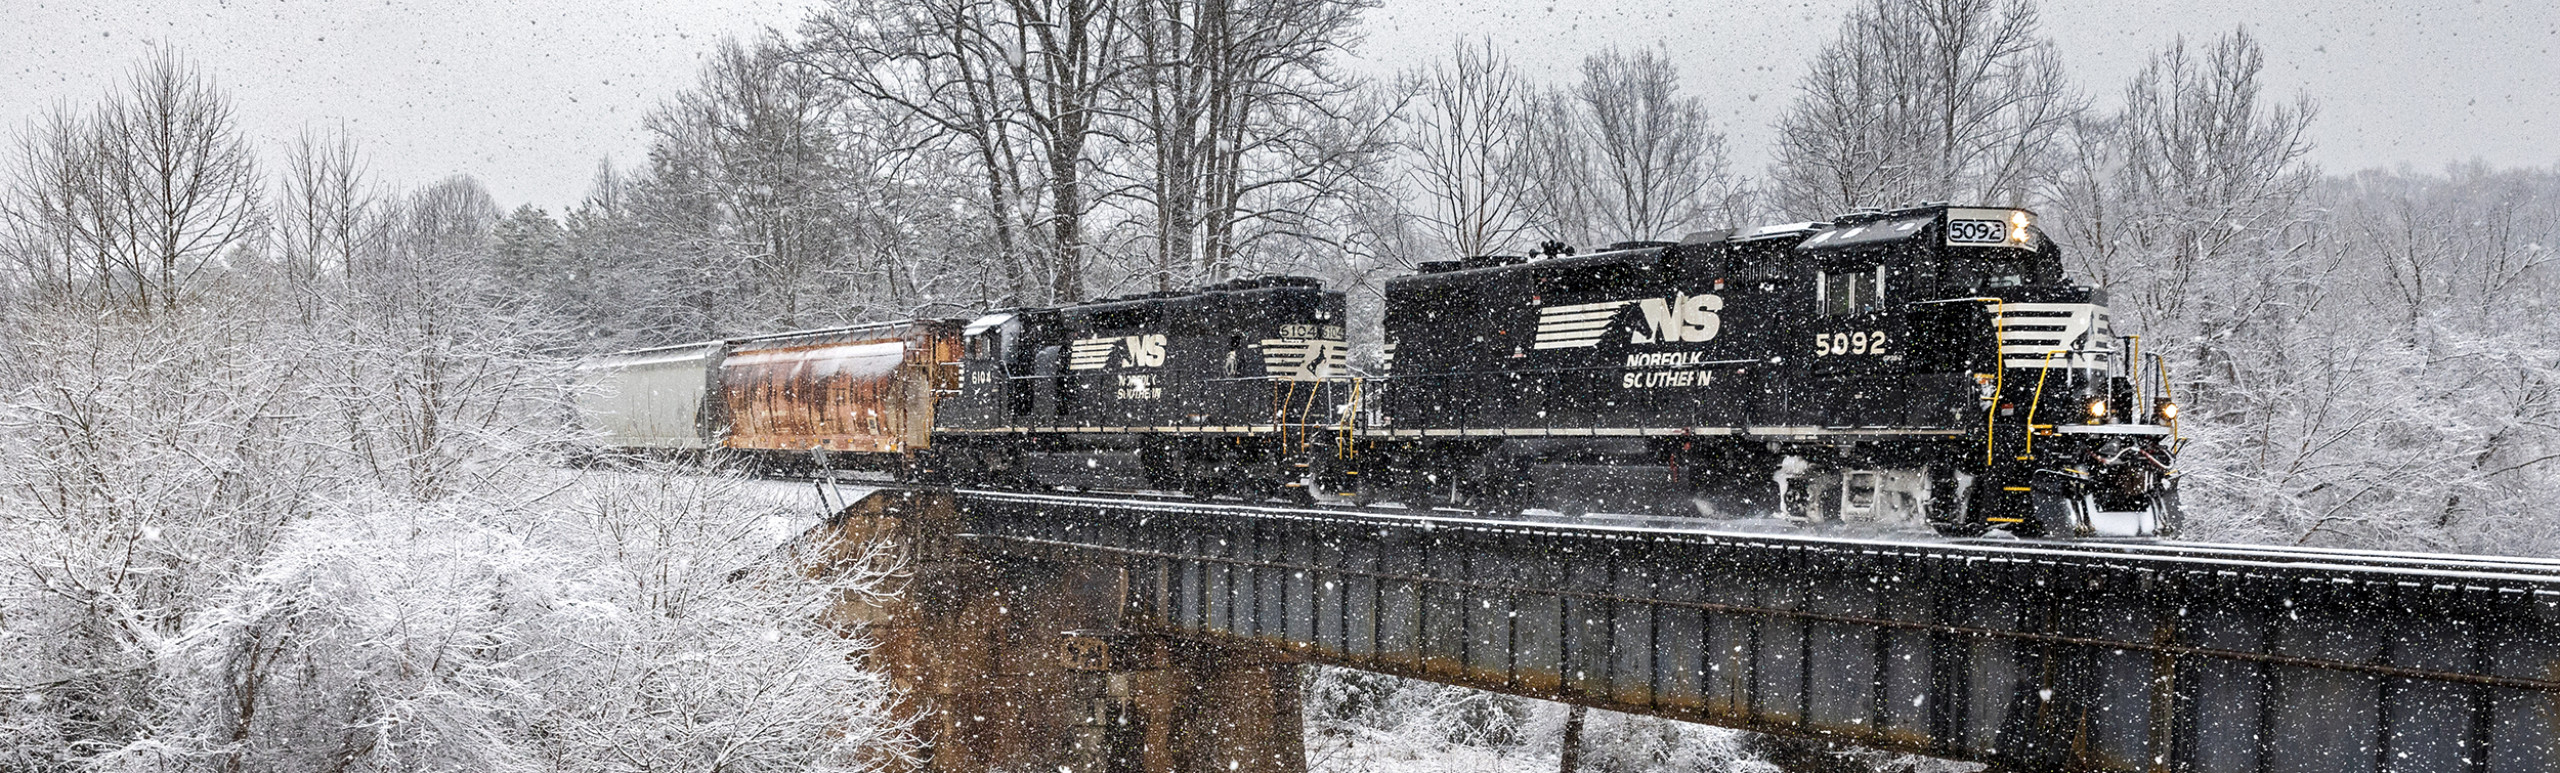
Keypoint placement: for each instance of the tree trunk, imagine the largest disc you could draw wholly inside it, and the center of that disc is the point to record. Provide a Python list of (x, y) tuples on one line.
[(1570, 759)]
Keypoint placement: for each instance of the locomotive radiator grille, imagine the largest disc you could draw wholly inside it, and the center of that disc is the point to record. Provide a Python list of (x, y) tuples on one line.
[(1305, 359), (2029, 332)]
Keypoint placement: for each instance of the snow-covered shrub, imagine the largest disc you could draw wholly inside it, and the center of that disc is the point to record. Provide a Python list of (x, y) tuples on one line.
[(1627, 743), (1359, 721), (605, 628)]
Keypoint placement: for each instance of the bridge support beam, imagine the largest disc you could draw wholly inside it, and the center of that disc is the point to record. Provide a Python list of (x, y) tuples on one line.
[(1015, 662)]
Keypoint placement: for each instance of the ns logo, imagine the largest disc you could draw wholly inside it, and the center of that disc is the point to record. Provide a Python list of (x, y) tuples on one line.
[(1145, 350), (1679, 318)]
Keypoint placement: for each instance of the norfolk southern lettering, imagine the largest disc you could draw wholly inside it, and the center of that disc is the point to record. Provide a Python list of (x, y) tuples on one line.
[(1682, 370)]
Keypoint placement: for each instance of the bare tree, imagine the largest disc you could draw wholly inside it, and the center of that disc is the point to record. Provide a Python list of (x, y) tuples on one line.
[(675, 202), (324, 215), (179, 185), (1564, 196), (1066, 56), (2206, 171), (128, 205), (936, 64), (2472, 245), (1024, 84), (764, 120), (1465, 133), (1623, 155), (434, 377), (53, 234), (1232, 100), (1925, 100)]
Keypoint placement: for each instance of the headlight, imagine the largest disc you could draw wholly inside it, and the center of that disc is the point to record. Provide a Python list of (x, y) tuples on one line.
[(2168, 411), (2098, 408), (2018, 223)]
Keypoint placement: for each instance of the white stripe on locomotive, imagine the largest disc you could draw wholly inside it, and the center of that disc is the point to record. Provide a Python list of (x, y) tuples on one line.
[(2054, 335)]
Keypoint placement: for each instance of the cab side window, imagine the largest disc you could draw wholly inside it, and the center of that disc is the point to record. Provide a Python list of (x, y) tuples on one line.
[(1850, 292)]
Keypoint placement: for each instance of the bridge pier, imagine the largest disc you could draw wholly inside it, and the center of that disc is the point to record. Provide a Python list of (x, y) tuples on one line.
[(1018, 662)]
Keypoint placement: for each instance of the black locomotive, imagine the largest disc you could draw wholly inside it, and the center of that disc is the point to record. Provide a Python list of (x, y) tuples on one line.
[(1924, 365), (1231, 390)]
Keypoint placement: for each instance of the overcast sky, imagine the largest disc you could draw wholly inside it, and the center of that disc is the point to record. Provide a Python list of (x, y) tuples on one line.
[(528, 96)]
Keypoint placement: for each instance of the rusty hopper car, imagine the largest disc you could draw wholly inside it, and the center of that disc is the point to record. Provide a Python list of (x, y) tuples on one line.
[(856, 397), (653, 400)]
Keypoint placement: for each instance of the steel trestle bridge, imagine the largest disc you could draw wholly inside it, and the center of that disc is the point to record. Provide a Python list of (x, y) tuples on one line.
[(2040, 656)]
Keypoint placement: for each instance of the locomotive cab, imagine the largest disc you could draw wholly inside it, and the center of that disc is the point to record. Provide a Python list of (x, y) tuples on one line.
[(2064, 451), (996, 366), (1988, 337)]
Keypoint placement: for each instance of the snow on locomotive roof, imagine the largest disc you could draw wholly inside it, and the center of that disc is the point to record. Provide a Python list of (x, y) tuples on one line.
[(1871, 232), (985, 323), (1780, 231)]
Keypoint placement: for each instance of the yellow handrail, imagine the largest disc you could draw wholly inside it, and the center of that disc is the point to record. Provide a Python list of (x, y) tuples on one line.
[(1350, 423), (1999, 384), (1307, 436), (2138, 392), (2038, 400), (2170, 394)]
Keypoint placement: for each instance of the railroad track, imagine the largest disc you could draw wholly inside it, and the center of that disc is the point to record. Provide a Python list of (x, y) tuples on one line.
[(2446, 567)]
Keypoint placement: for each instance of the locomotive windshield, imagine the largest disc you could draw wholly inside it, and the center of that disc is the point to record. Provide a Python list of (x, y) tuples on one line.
[(1988, 271)]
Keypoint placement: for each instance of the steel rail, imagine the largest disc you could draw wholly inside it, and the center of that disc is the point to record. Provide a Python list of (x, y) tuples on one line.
[(2340, 568), (2519, 567), (2292, 554)]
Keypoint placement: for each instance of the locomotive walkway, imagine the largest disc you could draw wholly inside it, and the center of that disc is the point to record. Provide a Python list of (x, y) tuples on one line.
[(1165, 632)]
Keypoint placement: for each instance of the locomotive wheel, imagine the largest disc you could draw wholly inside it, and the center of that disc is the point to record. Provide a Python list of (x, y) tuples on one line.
[(1495, 489), (1965, 520), (1962, 526), (1366, 492), (1199, 482), (1952, 510)]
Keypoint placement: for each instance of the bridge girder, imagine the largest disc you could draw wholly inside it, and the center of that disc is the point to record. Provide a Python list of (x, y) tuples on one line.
[(2024, 655)]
